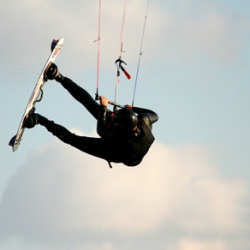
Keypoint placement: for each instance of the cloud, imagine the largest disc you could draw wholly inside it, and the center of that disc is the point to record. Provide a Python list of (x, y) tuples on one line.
[(169, 31), (206, 33), (176, 199), (217, 244), (62, 196), (190, 244)]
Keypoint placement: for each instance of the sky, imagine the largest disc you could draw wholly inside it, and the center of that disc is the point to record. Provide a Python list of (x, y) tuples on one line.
[(191, 192)]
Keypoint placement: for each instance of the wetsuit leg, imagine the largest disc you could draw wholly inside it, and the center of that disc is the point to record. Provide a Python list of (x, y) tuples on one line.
[(108, 150), (81, 95)]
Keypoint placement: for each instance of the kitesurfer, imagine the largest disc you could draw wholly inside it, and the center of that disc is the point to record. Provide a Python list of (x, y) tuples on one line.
[(125, 135)]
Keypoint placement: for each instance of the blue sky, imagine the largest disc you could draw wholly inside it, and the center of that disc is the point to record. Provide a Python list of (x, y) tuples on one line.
[(192, 189)]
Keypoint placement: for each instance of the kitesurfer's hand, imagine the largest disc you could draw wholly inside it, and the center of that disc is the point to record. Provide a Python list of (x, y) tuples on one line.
[(104, 101), (127, 106)]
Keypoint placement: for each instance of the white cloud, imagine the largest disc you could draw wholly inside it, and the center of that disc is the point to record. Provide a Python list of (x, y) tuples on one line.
[(62, 195), (191, 31), (216, 244), (190, 244), (168, 30)]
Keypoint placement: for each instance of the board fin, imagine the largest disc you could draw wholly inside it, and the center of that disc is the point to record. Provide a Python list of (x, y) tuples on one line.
[(12, 141)]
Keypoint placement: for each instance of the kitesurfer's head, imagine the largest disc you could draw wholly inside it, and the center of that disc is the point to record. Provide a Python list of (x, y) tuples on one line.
[(126, 119)]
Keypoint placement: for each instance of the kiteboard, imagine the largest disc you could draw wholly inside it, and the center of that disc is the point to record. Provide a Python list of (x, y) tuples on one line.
[(36, 95)]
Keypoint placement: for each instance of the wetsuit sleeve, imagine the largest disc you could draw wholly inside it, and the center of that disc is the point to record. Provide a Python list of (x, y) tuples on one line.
[(153, 117), (81, 95)]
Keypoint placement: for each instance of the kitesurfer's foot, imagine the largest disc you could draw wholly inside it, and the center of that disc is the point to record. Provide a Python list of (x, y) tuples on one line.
[(34, 119), (31, 121), (51, 72)]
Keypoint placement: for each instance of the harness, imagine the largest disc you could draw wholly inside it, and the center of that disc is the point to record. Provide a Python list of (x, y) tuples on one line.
[(138, 147)]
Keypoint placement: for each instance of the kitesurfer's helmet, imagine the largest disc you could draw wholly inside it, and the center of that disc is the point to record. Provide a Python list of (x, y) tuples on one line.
[(126, 119)]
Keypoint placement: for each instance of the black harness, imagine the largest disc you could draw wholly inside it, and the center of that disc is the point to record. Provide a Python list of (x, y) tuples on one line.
[(139, 146)]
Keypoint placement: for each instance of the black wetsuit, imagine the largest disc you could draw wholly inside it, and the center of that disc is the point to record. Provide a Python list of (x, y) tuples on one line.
[(114, 145)]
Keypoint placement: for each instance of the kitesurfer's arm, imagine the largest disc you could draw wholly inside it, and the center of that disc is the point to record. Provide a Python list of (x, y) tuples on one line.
[(103, 120)]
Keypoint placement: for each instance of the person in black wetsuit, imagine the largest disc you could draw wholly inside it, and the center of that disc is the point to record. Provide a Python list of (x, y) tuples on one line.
[(125, 135)]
